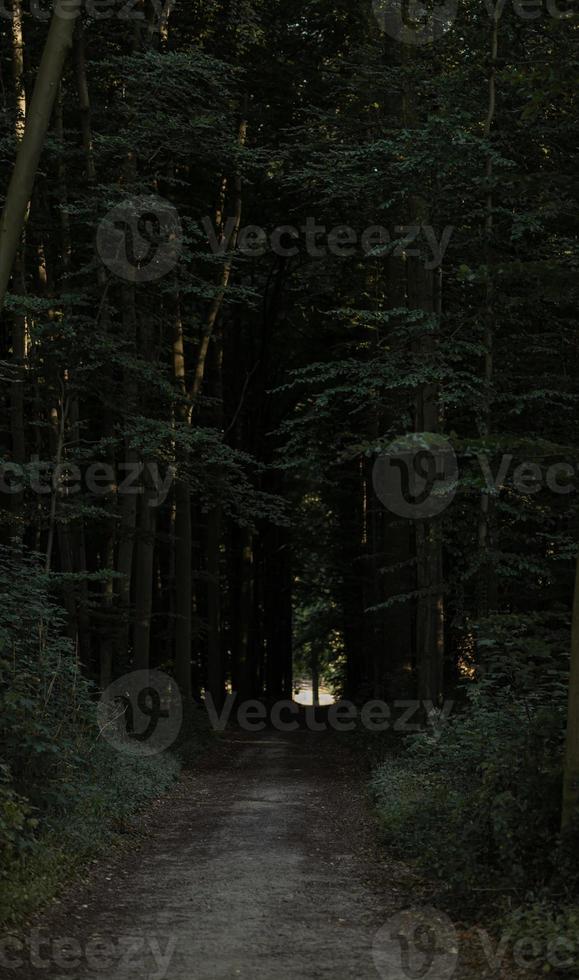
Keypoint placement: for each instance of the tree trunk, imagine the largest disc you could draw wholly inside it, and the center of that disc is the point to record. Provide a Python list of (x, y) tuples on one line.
[(245, 665), (127, 501), (145, 562), (58, 44), (183, 523), (215, 665), (429, 606), (184, 588), (19, 325), (486, 585), (570, 811), (315, 669)]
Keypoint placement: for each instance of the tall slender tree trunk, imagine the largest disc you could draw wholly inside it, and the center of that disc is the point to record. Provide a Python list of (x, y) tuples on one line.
[(68, 544), (315, 671), (107, 554), (398, 547), (145, 544), (145, 563), (185, 415), (245, 666), (184, 586), (58, 44), (278, 612), (215, 665), (486, 586), (19, 323), (18, 68), (127, 500), (570, 810), (182, 523), (215, 652), (58, 418), (429, 606), (84, 102)]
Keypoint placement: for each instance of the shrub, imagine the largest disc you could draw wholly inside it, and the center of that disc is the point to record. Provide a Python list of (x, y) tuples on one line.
[(63, 790), (553, 933), (478, 802)]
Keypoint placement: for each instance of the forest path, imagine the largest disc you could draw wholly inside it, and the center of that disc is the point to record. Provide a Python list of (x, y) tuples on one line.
[(262, 864)]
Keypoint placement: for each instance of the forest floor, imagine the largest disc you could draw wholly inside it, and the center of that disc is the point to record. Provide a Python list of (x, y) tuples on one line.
[(263, 863)]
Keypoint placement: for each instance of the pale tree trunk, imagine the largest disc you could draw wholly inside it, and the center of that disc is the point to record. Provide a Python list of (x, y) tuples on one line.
[(158, 31), (217, 303), (570, 811), (18, 68), (58, 44)]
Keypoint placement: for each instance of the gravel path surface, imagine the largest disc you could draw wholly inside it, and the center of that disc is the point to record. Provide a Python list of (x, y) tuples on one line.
[(263, 864)]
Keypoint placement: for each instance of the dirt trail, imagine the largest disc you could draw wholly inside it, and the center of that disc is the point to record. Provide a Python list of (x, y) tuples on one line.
[(263, 866)]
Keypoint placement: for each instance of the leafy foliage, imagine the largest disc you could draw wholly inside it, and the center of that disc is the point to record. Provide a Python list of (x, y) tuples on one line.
[(478, 802), (63, 790)]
